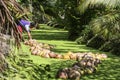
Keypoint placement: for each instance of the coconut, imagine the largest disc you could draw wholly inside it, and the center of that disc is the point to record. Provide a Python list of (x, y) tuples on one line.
[(46, 51), (32, 48), (69, 53), (46, 55), (79, 56), (33, 41), (41, 53), (46, 46), (74, 75), (82, 63), (88, 64), (26, 43), (34, 52), (30, 44), (52, 55), (98, 56), (96, 62), (73, 56), (66, 56), (62, 74), (38, 52), (89, 71), (59, 56), (51, 46), (82, 72), (104, 56), (34, 44)]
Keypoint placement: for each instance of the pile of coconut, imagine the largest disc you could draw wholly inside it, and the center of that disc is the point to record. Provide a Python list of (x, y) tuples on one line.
[(87, 62), (44, 50), (87, 65)]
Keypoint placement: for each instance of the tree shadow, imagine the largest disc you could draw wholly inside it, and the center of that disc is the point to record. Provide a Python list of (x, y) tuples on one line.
[(48, 35), (48, 72), (76, 48)]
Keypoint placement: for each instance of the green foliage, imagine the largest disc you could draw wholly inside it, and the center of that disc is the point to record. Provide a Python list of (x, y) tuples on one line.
[(86, 34), (85, 4), (113, 46), (101, 16), (24, 66), (95, 42), (9, 11), (105, 25)]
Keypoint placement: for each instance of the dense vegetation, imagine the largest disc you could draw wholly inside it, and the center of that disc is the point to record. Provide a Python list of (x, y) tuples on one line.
[(8, 29), (94, 23), (27, 66)]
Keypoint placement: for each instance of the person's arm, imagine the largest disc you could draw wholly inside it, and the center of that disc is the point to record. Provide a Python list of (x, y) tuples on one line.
[(28, 31), (29, 35)]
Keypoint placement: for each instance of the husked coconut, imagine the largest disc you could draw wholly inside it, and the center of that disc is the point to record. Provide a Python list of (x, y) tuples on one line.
[(66, 56), (79, 56), (73, 56), (74, 74), (32, 48), (38, 52), (46, 55), (52, 55), (26, 43), (104, 56), (41, 53), (46, 51), (34, 44), (62, 74), (40, 45), (59, 56), (34, 52)]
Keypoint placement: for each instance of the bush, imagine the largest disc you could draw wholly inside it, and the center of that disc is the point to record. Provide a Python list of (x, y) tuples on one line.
[(106, 47), (95, 42), (85, 35), (112, 46), (115, 46)]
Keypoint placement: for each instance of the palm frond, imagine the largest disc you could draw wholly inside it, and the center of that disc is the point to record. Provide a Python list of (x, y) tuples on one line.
[(109, 23), (8, 11), (90, 3)]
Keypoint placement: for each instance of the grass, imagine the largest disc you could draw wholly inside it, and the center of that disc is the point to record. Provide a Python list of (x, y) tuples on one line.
[(108, 70)]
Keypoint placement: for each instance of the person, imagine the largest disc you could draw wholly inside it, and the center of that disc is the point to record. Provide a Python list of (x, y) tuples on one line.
[(26, 26)]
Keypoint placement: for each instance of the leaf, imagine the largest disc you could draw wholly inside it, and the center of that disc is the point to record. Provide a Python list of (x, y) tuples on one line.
[(90, 3)]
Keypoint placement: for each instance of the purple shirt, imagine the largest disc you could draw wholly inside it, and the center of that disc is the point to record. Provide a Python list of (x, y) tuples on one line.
[(24, 22)]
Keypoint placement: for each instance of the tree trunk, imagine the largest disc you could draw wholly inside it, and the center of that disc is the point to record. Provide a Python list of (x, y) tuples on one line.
[(4, 50)]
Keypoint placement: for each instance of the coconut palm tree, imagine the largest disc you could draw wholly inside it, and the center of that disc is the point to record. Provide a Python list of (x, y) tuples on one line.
[(107, 24), (109, 21), (85, 4), (10, 10)]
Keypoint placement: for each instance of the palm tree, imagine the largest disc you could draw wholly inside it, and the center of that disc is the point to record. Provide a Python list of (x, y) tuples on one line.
[(85, 4), (109, 21), (10, 10), (107, 24)]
